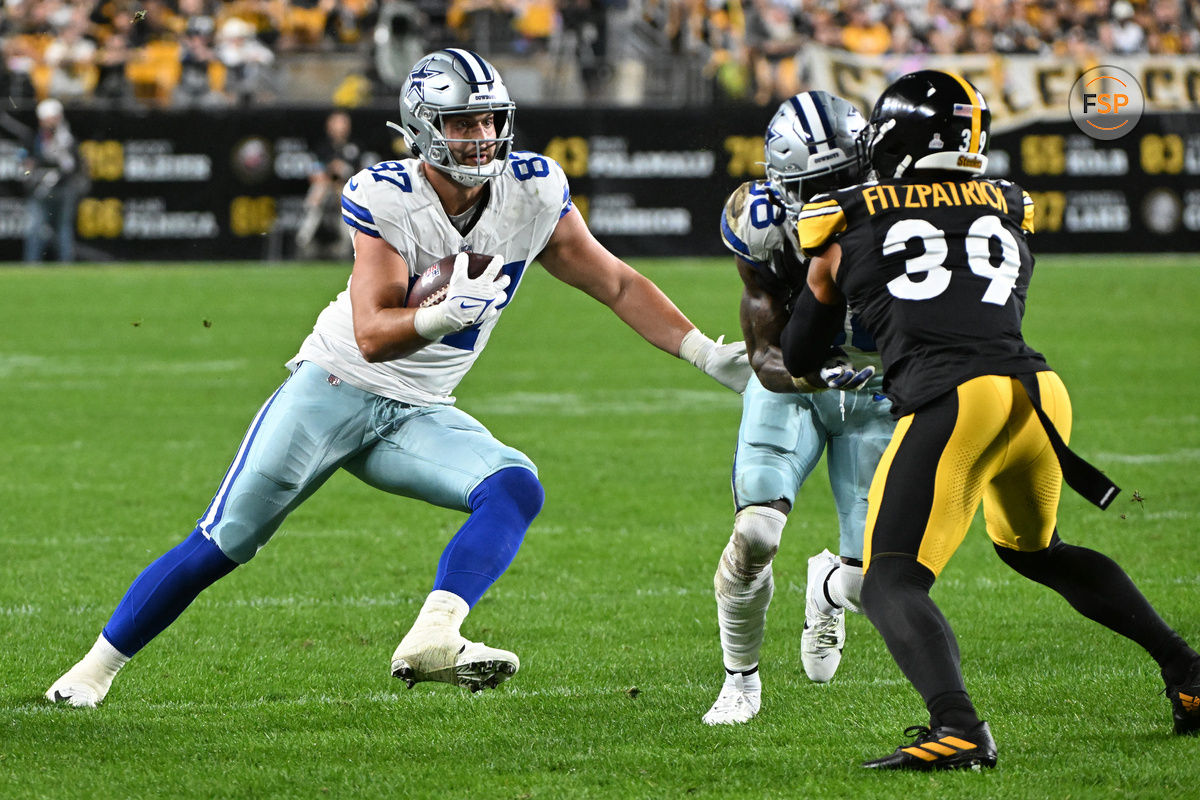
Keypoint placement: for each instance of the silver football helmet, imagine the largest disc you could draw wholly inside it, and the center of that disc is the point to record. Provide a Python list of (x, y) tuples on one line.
[(446, 83), (812, 146)]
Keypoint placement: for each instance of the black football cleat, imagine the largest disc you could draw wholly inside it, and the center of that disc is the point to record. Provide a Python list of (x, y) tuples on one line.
[(1185, 702), (941, 748)]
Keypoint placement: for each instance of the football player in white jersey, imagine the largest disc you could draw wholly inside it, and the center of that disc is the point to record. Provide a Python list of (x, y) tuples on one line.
[(370, 388), (811, 146)]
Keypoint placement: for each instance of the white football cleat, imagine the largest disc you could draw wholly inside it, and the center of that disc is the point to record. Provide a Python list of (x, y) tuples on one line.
[(738, 702), (824, 634), (78, 689), (449, 658)]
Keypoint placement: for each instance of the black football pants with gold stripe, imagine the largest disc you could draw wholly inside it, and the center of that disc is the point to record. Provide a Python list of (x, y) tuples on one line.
[(983, 442)]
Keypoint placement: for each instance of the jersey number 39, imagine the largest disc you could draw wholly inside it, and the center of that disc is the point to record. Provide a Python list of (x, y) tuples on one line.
[(930, 265)]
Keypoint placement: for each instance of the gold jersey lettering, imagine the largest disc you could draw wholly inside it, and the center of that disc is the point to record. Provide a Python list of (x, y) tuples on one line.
[(940, 197), (970, 193), (996, 199), (869, 197)]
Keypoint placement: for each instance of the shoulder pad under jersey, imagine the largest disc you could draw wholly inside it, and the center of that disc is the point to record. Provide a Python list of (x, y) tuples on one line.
[(539, 176), (752, 225), (821, 220)]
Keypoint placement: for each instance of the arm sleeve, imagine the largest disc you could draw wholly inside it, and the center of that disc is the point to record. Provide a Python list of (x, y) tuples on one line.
[(810, 332)]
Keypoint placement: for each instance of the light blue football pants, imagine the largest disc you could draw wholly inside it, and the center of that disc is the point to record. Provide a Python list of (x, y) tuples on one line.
[(781, 439), (315, 424)]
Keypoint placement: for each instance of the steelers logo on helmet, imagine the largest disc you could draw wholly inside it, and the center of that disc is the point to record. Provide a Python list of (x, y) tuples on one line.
[(448, 83), (812, 146), (928, 120)]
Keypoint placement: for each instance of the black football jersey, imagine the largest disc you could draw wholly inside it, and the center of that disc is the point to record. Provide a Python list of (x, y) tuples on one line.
[(938, 271), (756, 230)]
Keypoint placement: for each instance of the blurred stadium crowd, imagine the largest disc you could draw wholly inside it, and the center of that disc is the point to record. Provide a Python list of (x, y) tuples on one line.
[(224, 52)]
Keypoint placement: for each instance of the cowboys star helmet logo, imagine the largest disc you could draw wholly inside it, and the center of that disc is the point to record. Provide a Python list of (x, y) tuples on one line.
[(418, 77)]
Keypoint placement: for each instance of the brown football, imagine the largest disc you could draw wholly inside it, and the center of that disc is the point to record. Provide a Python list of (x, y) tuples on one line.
[(430, 286)]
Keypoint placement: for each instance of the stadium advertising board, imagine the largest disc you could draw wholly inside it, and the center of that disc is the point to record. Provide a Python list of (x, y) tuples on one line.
[(176, 186)]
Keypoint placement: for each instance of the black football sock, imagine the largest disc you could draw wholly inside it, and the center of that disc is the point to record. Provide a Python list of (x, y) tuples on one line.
[(953, 709), (1099, 589), (896, 599)]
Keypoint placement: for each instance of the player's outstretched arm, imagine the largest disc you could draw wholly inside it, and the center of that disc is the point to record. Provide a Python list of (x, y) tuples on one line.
[(575, 257)]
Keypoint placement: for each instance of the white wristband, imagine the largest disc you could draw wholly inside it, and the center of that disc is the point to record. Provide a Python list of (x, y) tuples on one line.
[(431, 323), (695, 348)]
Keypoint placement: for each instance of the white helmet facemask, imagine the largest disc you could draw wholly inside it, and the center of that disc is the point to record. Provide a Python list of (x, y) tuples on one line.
[(449, 83)]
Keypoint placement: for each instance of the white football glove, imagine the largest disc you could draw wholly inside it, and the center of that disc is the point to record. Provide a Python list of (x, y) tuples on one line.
[(836, 373), (469, 301), (727, 364)]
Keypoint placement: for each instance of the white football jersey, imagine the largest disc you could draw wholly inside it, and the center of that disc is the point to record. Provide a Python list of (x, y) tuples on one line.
[(756, 230), (754, 227), (394, 201)]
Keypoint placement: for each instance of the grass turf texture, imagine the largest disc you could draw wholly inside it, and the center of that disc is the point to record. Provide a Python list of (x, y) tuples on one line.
[(125, 392)]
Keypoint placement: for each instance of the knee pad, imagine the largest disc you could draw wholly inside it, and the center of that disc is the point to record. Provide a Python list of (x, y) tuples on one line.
[(516, 487), (743, 581), (757, 531), (762, 484)]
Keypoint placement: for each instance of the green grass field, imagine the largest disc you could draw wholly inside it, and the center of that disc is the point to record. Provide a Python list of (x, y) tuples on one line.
[(126, 390)]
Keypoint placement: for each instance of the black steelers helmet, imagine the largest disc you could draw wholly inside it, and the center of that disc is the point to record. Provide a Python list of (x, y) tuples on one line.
[(928, 120)]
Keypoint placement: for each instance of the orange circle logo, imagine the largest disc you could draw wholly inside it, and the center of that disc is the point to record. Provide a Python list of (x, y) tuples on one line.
[(1106, 102)]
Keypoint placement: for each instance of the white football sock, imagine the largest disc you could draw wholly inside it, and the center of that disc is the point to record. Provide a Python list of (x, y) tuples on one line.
[(742, 618), (750, 683), (93, 673), (845, 587), (823, 581), (103, 661), (744, 584), (442, 610)]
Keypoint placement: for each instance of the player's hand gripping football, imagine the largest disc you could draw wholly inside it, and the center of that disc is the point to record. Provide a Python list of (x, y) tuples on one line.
[(727, 364), (836, 373), (469, 301)]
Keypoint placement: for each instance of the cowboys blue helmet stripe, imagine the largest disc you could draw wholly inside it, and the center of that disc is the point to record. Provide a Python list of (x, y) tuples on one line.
[(822, 119), (800, 115), (812, 121), (478, 71)]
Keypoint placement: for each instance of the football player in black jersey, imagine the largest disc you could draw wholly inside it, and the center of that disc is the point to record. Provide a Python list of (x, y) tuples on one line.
[(932, 257)]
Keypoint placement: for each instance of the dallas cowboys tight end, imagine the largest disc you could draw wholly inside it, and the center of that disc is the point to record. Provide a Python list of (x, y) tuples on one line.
[(371, 387)]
